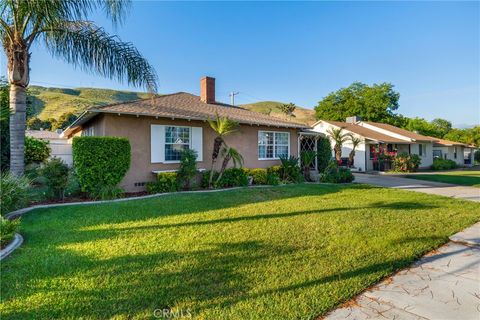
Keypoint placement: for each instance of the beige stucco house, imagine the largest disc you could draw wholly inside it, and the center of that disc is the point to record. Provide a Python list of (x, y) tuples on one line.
[(160, 128)]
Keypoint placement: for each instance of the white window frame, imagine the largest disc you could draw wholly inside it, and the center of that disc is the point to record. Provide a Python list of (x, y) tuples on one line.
[(165, 141), (88, 132), (274, 144)]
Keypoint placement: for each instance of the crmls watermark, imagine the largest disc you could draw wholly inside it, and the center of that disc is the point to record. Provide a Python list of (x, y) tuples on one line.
[(172, 313)]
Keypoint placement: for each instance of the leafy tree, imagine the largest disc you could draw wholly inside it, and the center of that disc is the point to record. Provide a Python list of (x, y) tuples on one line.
[(373, 103), (64, 121), (66, 32), (437, 128), (222, 126), (441, 127), (469, 136), (36, 123), (288, 109)]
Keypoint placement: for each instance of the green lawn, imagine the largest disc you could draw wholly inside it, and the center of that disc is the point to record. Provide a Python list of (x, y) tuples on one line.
[(287, 252), (464, 178)]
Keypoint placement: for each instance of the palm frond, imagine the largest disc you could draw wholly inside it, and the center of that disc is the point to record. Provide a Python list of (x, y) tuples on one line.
[(337, 135), (89, 47), (235, 156), (355, 140), (222, 126)]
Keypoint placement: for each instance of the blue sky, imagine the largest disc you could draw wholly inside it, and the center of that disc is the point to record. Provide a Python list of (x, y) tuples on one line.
[(299, 52)]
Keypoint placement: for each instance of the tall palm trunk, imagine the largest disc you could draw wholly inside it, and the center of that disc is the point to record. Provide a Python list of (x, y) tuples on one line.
[(18, 103), (226, 160), (217, 144), (350, 158), (338, 153), (18, 77)]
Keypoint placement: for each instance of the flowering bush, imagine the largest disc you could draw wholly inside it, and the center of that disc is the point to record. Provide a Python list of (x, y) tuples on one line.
[(405, 162)]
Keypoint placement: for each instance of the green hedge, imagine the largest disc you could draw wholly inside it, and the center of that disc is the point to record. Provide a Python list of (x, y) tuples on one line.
[(443, 164), (100, 161), (232, 177), (166, 182), (258, 175), (36, 150), (324, 153)]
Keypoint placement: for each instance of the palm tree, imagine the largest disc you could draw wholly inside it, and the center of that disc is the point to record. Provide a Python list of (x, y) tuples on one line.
[(222, 126), (339, 138), (306, 159), (229, 154), (63, 28), (288, 109), (355, 143)]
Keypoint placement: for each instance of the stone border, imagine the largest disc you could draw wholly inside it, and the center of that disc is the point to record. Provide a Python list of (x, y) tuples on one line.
[(17, 213), (14, 244)]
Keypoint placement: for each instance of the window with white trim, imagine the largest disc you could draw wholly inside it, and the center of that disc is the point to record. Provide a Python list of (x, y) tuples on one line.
[(88, 132), (177, 139), (455, 152), (273, 144)]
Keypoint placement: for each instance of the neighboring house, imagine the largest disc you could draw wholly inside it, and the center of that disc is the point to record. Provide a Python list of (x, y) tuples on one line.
[(459, 152), (159, 128), (60, 147), (375, 136)]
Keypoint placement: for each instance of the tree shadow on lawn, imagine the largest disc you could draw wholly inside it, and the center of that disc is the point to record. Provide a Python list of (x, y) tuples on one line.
[(134, 283), (79, 236), (180, 204), (202, 280)]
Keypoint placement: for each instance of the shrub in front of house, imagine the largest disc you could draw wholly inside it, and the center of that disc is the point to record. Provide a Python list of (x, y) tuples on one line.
[(36, 150), (55, 173), (324, 153), (335, 174), (13, 192), (100, 162), (188, 168), (166, 182), (405, 162), (7, 230), (476, 156), (232, 177), (258, 175), (290, 170), (273, 175), (443, 164)]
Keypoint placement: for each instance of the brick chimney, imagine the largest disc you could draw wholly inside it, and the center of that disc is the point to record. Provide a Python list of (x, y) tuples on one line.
[(207, 90)]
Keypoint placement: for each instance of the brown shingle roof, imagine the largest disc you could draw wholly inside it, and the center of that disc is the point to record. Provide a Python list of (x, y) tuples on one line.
[(188, 106), (447, 143), (365, 132), (403, 132)]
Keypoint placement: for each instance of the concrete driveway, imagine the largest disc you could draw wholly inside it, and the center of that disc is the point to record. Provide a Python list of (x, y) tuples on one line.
[(442, 189), (444, 284)]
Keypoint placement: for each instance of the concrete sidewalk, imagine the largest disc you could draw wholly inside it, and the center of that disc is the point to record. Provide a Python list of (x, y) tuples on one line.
[(430, 187), (444, 284)]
